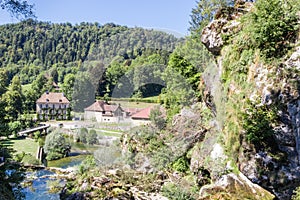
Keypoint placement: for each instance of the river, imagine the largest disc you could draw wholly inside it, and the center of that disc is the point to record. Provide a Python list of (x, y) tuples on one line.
[(37, 187)]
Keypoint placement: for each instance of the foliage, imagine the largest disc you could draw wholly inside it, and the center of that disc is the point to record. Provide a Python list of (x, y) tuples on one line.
[(83, 135), (19, 156), (68, 85), (13, 99), (157, 118), (175, 192), (204, 13), (11, 174), (14, 127), (107, 156), (296, 194), (56, 146), (257, 122), (273, 26), (30, 160), (64, 47), (181, 165), (87, 164), (18, 8), (83, 93), (186, 69), (4, 82), (178, 92), (55, 186), (91, 137)]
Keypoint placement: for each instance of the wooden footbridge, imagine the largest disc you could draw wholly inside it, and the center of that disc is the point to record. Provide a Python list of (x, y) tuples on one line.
[(41, 129)]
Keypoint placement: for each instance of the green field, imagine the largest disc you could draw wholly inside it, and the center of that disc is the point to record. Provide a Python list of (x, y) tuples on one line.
[(128, 104), (27, 145), (108, 132)]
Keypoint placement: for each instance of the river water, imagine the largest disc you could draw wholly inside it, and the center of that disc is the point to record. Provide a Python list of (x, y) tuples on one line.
[(38, 188)]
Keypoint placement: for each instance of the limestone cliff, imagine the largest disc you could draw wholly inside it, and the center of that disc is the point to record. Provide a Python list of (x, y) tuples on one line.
[(249, 85)]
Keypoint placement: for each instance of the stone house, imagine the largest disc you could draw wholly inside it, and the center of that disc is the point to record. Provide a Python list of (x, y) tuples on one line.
[(142, 117), (53, 106), (101, 111)]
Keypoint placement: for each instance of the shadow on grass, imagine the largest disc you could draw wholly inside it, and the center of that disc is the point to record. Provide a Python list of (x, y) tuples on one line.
[(9, 142), (6, 143)]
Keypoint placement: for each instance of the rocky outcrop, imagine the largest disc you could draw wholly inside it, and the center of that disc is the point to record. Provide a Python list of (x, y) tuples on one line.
[(278, 86), (225, 24), (208, 159), (294, 61), (232, 186), (276, 166), (211, 166)]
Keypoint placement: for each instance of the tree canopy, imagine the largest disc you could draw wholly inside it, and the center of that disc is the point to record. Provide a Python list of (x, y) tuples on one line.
[(18, 8)]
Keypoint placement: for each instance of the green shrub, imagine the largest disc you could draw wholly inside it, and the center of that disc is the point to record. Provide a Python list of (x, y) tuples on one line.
[(257, 122), (30, 160), (14, 127), (55, 186), (181, 165), (91, 137), (175, 192), (157, 117), (161, 158), (273, 25), (41, 141), (83, 134), (19, 156)]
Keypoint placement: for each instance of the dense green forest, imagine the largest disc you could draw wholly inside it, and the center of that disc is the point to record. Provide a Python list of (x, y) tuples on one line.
[(77, 56), (31, 47)]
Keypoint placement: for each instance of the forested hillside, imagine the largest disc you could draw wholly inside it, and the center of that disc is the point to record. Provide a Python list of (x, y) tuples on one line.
[(31, 47), (88, 55)]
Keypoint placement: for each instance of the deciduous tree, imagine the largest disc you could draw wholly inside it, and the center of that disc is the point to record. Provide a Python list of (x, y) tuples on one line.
[(56, 146), (13, 99), (18, 8)]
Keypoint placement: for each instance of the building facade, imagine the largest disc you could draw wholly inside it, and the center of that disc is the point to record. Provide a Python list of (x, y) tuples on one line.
[(101, 111), (53, 106)]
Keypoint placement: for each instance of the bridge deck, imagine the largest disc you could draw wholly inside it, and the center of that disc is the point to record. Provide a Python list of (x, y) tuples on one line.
[(32, 130)]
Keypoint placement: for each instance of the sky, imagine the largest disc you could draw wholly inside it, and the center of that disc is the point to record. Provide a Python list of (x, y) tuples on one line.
[(168, 15)]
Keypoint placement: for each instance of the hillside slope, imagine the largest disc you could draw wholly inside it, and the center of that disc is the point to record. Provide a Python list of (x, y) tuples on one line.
[(258, 79), (30, 47)]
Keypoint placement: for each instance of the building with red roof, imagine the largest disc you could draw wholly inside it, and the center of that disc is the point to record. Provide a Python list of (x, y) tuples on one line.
[(142, 117), (101, 111), (52, 105)]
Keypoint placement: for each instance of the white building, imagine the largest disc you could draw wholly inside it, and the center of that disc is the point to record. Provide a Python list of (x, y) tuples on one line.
[(101, 111), (52, 106)]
